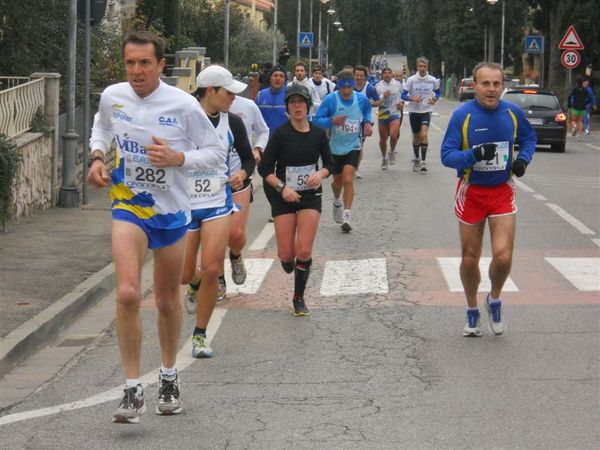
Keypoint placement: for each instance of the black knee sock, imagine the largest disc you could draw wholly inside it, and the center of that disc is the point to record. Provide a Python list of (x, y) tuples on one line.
[(301, 274), (423, 151), (232, 256), (288, 266), (195, 286), (416, 150)]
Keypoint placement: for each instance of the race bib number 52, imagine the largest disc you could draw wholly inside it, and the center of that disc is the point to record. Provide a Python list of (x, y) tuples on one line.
[(203, 183)]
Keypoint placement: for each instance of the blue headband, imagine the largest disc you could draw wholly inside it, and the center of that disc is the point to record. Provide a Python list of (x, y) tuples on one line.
[(346, 82)]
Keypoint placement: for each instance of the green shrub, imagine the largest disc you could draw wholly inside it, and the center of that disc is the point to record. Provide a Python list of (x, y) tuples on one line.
[(9, 165)]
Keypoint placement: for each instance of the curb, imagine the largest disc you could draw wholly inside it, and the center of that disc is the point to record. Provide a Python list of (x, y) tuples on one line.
[(21, 343)]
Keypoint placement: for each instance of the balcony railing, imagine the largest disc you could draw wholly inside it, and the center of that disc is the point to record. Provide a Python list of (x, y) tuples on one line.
[(18, 105)]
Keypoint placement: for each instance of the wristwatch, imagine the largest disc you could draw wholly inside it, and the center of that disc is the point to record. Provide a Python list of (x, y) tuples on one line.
[(280, 186)]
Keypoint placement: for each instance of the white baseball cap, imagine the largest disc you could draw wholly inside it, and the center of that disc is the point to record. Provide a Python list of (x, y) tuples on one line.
[(219, 76)]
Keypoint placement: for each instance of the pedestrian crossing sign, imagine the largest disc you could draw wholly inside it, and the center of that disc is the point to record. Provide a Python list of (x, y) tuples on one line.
[(306, 39), (534, 44)]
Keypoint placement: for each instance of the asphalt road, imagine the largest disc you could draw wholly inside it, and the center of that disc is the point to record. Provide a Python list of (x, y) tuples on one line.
[(381, 362)]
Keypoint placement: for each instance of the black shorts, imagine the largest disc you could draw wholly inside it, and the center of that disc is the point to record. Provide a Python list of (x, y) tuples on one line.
[(308, 200), (339, 161), (247, 185), (417, 120)]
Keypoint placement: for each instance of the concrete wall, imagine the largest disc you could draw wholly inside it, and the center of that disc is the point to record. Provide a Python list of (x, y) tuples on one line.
[(32, 190)]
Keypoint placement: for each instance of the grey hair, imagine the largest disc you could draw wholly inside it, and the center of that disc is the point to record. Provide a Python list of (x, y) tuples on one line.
[(487, 65), (422, 59)]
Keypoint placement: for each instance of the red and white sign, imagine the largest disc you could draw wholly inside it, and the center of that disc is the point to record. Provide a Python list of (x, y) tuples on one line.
[(570, 59), (571, 40)]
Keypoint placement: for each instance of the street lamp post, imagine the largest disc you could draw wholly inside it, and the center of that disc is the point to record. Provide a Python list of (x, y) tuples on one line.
[(226, 38), (310, 48), (275, 34), (491, 34), (298, 31)]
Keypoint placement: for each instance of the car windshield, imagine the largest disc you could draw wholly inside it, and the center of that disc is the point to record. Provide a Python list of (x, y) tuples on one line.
[(532, 101)]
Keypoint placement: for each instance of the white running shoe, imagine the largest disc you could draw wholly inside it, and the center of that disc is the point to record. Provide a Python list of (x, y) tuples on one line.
[(200, 348), (190, 299), (423, 167), (392, 157), (238, 270), (338, 213), (384, 163), (473, 326), (494, 310), (357, 174), (416, 164), (346, 222)]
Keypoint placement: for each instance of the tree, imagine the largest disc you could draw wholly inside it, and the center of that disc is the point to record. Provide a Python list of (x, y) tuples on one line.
[(251, 45)]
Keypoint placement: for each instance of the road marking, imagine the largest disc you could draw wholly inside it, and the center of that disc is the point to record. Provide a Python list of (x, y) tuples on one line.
[(596, 241), (569, 218), (583, 273), (593, 146), (435, 127), (262, 240), (523, 186), (451, 270), (256, 270), (184, 360), (540, 197), (363, 276)]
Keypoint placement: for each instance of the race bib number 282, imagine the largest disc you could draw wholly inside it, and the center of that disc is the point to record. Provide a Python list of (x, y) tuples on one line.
[(139, 173)]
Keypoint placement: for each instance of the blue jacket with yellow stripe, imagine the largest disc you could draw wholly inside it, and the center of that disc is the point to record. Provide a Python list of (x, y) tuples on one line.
[(472, 125)]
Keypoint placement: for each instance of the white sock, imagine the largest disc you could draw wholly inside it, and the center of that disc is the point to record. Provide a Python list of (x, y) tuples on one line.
[(347, 212), (132, 382), (337, 202), (171, 372)]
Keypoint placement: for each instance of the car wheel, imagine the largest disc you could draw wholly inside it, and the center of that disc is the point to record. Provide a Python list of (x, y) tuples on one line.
[(559, 148)]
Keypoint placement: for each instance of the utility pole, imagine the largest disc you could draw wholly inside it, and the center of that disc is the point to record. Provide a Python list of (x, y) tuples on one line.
[(310, 49), (275, 36), (298, 31), (226, 38), (86, 98)]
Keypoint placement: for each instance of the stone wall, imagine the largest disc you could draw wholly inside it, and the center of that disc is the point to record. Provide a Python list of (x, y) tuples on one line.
[(32, 190)]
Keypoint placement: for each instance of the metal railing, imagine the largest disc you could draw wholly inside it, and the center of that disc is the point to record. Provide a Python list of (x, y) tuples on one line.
[(18, 105), (10, 82)]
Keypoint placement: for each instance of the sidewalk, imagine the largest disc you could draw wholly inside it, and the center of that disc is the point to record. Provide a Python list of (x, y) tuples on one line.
[(53, 265)]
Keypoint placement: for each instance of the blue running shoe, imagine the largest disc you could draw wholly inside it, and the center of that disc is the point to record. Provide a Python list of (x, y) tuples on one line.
[(472, 327), (497, 326)]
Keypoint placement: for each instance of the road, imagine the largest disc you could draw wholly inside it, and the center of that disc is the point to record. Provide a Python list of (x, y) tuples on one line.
[(381, 362)]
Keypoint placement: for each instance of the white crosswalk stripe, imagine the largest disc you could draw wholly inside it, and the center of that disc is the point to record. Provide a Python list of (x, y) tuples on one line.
[(583, 273), (256, 270), (363, 276), (451, 270)]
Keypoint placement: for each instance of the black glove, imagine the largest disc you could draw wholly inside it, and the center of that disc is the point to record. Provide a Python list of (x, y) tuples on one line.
[(518, 167), (485, 151)]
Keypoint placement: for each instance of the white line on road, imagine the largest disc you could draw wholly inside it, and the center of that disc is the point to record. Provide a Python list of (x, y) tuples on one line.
[(435, 127), (451, 270), (256, 270), (184, 360), (523, 186), (540, 197), (583, 273), (596, 241), (363, 276), (593, 146), (569, 218), (262, 240)]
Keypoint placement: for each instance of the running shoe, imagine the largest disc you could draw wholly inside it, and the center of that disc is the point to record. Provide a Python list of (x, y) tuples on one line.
[(131, 407), (222, 289), (573, 131), (392, 157), (238, 270), (190, 299), (338, 213), (384, 163), (416, 164), (472, 327), (300, 309), (497, 326), (200, 348), (169, 402), (423, 167), (346, 222), (358, 175), (587, 131)]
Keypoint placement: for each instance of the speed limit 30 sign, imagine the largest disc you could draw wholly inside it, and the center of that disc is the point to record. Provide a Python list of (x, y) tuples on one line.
[(570, 59)]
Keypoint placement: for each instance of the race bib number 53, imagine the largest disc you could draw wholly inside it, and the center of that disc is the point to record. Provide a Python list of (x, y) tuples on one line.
[(297, 177)]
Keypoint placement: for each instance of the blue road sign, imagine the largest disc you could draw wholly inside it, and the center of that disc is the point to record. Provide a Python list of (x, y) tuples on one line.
[(534, 44), (306, 39)]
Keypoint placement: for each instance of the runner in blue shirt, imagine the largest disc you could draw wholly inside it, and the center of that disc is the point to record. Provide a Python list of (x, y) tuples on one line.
[(369, 91)]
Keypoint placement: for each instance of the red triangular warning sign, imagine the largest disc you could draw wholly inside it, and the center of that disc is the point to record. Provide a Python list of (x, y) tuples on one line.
[(571, 40)]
